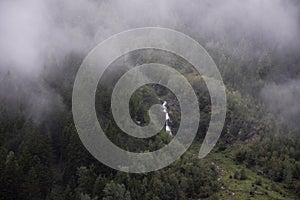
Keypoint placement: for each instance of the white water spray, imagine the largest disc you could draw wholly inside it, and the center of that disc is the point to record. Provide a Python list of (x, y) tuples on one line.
[(165, 109)]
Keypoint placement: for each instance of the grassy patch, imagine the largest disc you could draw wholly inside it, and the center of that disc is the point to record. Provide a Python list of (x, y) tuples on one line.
[(255, 186)]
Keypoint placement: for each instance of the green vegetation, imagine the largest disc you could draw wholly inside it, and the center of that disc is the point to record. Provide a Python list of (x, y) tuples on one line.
[(48, 161), (253, 186), (255, 158)]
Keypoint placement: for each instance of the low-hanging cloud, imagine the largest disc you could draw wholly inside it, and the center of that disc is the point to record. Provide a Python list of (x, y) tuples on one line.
[(283, 101), (33, 33)]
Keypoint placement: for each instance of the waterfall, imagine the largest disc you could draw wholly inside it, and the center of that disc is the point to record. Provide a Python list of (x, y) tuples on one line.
[(165, 110)]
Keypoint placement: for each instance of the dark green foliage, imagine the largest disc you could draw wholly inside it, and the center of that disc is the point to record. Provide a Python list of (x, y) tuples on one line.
[(48, 161), (243, 175), (114, 190), (10, 178)]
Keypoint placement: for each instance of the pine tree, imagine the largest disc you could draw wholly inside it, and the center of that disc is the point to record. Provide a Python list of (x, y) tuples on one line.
[(114, 191), (86, 180), (10, 179)]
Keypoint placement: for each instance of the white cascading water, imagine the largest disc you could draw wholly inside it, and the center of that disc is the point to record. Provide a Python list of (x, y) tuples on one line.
[(165, 109)]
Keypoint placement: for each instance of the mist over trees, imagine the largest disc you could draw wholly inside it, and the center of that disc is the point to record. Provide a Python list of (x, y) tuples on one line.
[(256, 46), (38, 36)]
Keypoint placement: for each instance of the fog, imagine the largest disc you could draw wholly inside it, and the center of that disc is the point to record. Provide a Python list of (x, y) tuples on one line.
[(36, 35), (283, 101)]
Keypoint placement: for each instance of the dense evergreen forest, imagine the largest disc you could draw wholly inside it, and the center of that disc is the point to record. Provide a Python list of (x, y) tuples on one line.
[(257, 156)]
